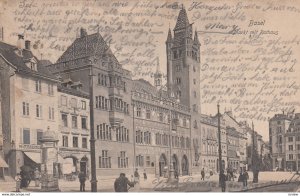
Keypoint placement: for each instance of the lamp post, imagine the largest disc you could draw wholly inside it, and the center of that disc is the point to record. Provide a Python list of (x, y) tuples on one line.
[(220, 149), (92, 135), (254, 163), (171, 169)]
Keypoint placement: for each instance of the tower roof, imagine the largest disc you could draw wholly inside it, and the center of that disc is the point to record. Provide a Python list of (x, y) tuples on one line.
[(196, 39), (182, 20), (169, 39)]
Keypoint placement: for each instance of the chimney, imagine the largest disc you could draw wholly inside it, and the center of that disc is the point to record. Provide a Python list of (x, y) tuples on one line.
[(20, 42), (27, 44), (83, 32)]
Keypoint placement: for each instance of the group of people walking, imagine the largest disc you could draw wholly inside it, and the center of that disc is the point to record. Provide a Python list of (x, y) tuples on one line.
[(123, 184), (24, 178)]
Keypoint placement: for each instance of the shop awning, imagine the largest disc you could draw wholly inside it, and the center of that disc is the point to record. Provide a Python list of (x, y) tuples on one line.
[(34, 156), (2, 162)]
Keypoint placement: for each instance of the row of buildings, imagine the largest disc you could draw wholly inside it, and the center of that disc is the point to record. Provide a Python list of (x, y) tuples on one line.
[(137, 124), (284, 133)]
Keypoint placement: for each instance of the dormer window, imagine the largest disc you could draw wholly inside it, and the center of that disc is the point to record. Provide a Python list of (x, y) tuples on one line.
[(33, 66)]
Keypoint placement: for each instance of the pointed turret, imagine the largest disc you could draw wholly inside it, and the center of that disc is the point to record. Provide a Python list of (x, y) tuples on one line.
[(182, 20), (169, 38), (157, 76), (196, 39)]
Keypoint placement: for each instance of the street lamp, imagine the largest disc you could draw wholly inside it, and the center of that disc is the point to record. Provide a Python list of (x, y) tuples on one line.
[(171, 169), (92, 137), (220, 150)]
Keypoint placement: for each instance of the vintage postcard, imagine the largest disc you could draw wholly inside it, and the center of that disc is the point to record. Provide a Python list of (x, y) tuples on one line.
[(149, 96)]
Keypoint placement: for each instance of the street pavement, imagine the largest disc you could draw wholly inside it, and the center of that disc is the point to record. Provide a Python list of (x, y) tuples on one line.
[(152, 183)]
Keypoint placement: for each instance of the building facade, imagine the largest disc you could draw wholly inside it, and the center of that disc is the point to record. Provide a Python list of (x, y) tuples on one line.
[(210, 146), (29, 105), (236, 141), (278, 126), (139, 125), (74, 129)]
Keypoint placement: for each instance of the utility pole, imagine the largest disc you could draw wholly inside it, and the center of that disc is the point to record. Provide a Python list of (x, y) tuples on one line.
[(220, 149), (92, 134), (171, 169), (255, 161)]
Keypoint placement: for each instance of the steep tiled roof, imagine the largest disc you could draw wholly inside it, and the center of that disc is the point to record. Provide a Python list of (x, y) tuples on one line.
[(72, 91), (280, 117), (9, 52), (169, 38), (85, 46), (182, 20)]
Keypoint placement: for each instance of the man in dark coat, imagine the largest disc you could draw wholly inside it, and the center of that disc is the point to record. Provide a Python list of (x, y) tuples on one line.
[(82, 179), (121, 183), (202, 174), (223, 181)]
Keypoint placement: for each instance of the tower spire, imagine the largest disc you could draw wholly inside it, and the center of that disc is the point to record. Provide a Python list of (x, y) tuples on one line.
[(196, 39), (157, 75), (182, 20), (169, 38)]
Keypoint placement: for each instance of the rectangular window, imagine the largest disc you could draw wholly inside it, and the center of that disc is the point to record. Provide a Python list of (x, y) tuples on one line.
[(138, 112), (122, 160), (74, 121), (291, 157), (280, 139), (39, 111), (64, 118), (139, 160), (65, 141), (104, 160), (63, 100), (38, 86), (50, 89), (84, 142), (75, 142), (290, 147), (161, 117), (51, 113), (39, 135), (83, 123), (298, 138), (148, 114), (147, 161), (25, 109), (184, 122), (26, 136), (83, 105), (298, 146), (290, 139)]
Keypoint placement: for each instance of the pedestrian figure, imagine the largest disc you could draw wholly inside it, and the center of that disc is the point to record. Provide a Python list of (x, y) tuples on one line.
[(18, 182), (121, 183), (82, 179), (223, 181), (23, 179), (37, 176), (136, 176), (176, 174), (202, 174), (145, 174), (246, 177)]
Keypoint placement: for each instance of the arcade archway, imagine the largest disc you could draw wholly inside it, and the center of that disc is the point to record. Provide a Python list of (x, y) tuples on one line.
[(162, 164), (185, 165)]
